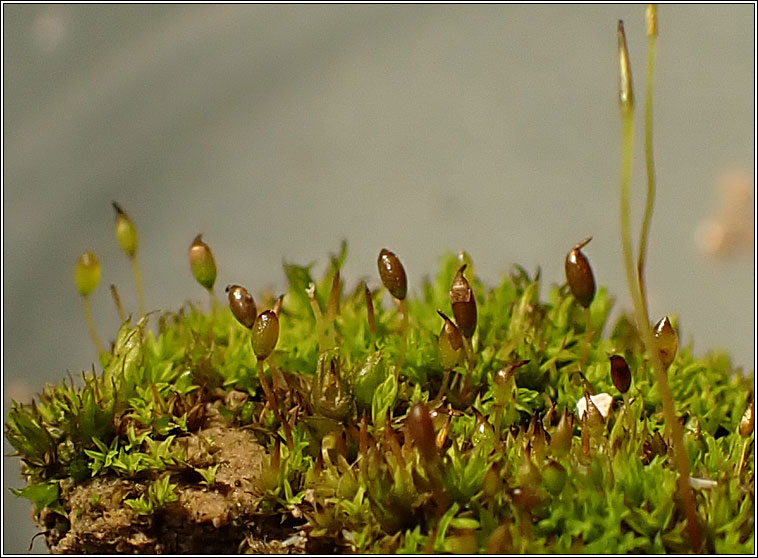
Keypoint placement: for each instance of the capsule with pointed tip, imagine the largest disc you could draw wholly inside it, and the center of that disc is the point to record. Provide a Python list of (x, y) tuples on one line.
[(747, 422), (666, 341), (202, 263), (87, 273), (579, 275), (450, 344), (242, 305), (626, 91), (392, 274), (126, 234), (265, 334), (464, 303), (620, 374)]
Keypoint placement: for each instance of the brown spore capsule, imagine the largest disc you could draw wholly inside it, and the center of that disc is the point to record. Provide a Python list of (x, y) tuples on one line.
[(265, 333), (450, 344), (421, 429), (242, 305), (620, 374), (202, 263), (747, 422), (464, 303), (666, 341), (392, 274), (579, 275)]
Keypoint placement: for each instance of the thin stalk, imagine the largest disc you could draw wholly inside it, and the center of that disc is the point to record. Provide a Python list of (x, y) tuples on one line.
[(324, 340), (652, 35), (587, 339), (91, 324), (370, 314), (140, 287), (470, 358), (443, 386), (213, 299), (117, 302), (274, 404), (742, 458), (673, 426), (404, 334)]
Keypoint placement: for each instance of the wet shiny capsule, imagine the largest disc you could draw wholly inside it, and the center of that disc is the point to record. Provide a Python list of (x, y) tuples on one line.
[(579, 275), (666, 341), (464, 303), (620, 374), (202, 263), (265, 334), (242, 305), (392, 274)]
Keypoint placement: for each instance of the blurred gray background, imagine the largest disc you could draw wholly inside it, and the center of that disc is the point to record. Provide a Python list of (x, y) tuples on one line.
[(277, 131)]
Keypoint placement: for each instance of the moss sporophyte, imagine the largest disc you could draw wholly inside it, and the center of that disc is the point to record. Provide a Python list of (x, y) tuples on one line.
[(457, 418)]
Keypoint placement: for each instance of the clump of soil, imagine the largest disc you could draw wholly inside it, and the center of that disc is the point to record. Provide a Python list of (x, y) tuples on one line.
[(222, 518)]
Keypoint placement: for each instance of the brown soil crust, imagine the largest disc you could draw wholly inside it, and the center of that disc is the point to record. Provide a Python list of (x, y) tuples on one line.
[(220, 519)]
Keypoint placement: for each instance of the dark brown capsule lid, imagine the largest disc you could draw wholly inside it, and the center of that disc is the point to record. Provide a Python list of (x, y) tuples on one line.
[(392, 274)]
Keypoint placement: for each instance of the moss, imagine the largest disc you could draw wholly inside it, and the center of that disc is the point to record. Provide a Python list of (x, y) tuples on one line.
[(182, 406), (341, 422)]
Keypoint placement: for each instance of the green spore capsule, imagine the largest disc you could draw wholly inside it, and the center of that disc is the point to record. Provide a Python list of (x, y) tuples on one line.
[(666, 341), (202, 263), (87, 273), (579, 275), (620, 374), (626, 91), (126, 234), (265, 334), (392, 274), (450, 344), (464, 303), (242, 305)]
